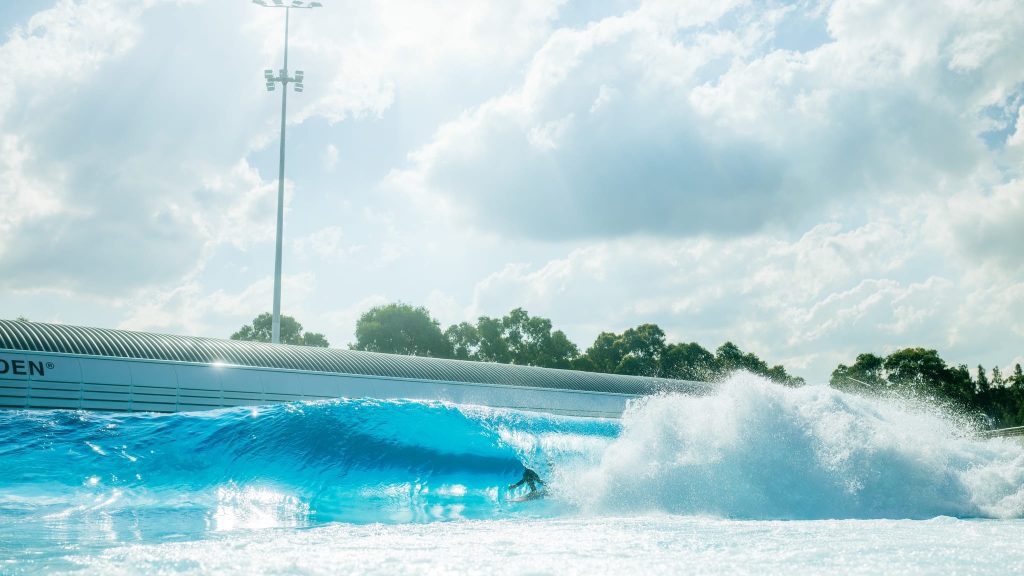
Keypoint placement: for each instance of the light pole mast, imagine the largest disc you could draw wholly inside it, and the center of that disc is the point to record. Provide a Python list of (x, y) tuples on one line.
[(284, 79)]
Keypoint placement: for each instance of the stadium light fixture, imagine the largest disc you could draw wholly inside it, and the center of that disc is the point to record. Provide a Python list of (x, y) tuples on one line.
[(272, 80)]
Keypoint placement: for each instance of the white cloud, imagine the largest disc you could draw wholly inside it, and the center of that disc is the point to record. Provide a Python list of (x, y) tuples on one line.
[(232, 207), (363, 54), (23, 195), (779, 137), (853, 186), (324, 245), (331, 157), (193, 309), (809, 303), (63, 46), (985, 227)]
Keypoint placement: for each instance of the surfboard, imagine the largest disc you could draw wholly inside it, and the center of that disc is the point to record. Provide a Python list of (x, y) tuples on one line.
[(534, 495)]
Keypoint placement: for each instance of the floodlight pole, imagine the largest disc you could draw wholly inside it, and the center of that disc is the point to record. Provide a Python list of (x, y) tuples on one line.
[(284, 79), (275, 333)]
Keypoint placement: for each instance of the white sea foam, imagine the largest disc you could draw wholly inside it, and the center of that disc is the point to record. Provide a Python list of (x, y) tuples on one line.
[(758, 450), (649, 545)]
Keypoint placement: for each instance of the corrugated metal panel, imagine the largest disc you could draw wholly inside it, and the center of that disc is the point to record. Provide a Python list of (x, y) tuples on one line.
[(37, 336)]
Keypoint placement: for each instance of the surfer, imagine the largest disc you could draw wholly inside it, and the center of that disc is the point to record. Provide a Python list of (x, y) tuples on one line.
[(530, 478)]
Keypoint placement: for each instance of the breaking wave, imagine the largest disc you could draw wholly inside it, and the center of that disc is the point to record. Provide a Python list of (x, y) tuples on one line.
[(750, 450)]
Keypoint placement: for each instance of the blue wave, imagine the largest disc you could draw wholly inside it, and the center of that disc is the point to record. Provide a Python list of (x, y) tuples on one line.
[(751, 450), (351, 460)]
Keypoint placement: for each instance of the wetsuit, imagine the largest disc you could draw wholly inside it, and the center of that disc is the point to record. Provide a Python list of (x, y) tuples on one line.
[(529, 477)]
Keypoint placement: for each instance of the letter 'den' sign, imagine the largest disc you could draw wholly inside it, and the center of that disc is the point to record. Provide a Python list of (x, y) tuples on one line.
[(22, 367)]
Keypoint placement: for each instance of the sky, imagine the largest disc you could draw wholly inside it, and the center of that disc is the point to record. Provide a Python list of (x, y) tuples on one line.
[(809, 180)]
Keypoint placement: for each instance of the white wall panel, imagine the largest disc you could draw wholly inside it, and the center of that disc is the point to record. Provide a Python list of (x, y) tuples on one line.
[(240, 380), (153, 374), (198, 377), (279, 382), (96, 371), (317, 385)]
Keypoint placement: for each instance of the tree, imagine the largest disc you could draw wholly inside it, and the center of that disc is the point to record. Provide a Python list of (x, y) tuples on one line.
[(606, 353), (559, 351), (982, 381), (688, 362), (730, 358), (516, 338), (637, 351), (1017, 380), (401, 329), (493, 346), (921, 371), (583, 363), (465, 341), (867, 374), (960, 387), (1016, 394), (643, 347), (997, 378), (291, 332)]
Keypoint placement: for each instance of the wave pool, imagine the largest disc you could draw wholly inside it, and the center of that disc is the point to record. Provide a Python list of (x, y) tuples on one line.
[(754, 478)]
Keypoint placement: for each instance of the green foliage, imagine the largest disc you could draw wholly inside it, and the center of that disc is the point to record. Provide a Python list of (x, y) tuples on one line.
[(982, 381), (583, 363), (643, 351), (915, 369), (516, 338), (1004, 399), (689, 362), (606, 353), (730, 358), (465, 340), (401, 329), (923, 373), (643, 347), (291, 332), (637, 351), (867, 374)]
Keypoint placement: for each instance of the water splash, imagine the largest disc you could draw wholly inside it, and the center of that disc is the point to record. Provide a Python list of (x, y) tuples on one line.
[(754, 450)]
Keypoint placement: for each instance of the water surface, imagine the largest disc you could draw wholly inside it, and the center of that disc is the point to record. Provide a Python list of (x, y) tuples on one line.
[(754, 477)]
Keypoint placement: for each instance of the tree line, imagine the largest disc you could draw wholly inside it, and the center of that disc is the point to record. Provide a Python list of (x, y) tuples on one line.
[(923, 373), (518, 338)]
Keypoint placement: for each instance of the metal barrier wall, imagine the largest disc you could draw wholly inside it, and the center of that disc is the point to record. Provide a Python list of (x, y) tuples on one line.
[(72, 367)]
